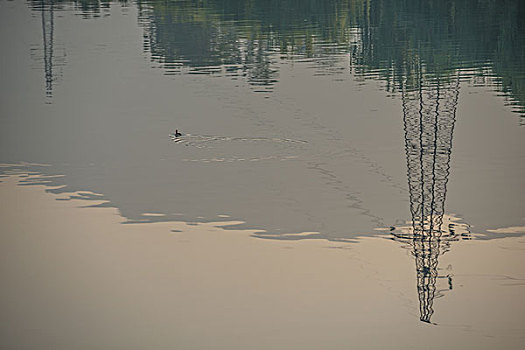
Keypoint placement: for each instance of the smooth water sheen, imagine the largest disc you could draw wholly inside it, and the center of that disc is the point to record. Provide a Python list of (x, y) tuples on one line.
[(332, 120)]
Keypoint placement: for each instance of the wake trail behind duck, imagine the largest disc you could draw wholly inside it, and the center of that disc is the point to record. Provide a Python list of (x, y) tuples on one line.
[(202, 141)]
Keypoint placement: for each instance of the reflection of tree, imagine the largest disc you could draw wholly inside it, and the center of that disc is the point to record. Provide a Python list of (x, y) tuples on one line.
[(247, 36), (88, 8), (429, 114), (482, 38), (485, 38), (244, 38)]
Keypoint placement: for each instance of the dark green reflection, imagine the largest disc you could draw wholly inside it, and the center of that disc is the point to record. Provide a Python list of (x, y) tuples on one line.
[(485, 39)]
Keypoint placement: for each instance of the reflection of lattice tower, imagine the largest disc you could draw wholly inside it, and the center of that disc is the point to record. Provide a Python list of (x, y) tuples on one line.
[(429, 113), (426, 253), (48, 37)]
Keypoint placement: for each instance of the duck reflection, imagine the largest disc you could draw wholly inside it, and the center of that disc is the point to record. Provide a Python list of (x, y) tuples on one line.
[(429, 114)]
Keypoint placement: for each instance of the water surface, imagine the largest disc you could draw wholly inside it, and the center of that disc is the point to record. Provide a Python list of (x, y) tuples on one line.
[(331, 120)]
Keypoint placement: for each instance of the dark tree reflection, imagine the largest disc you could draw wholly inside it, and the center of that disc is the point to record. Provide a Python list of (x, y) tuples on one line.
[(483, 39)]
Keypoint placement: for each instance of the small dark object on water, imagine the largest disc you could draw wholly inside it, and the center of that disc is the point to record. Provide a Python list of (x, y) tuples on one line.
[(177, 133)]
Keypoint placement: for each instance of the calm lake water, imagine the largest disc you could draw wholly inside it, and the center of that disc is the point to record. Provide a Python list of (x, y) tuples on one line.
[(391, 130)]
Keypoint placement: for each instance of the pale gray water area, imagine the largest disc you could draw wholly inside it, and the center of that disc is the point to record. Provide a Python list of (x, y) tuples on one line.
[(335, 120)]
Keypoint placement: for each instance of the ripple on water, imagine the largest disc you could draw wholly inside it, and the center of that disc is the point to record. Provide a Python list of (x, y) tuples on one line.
[(201, 141)]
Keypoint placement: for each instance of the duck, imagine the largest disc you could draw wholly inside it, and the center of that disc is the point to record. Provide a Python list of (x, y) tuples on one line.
[(177, 133)]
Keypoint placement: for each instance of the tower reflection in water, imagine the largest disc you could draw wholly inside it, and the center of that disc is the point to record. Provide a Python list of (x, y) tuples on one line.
[(48, 27), (429, 114), (52, 55)]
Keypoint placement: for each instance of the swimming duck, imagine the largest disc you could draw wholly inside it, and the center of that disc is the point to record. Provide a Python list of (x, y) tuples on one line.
[(177, 133)]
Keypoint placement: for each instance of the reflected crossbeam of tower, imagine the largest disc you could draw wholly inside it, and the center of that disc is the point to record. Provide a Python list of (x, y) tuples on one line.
[(429, 114)]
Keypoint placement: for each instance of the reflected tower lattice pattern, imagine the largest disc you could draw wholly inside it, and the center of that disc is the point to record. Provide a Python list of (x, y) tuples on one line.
[(429, 113), (47, 10), (52, 55)]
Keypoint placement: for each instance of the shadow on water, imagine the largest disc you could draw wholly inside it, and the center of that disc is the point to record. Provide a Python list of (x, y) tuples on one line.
[(421, 51)]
